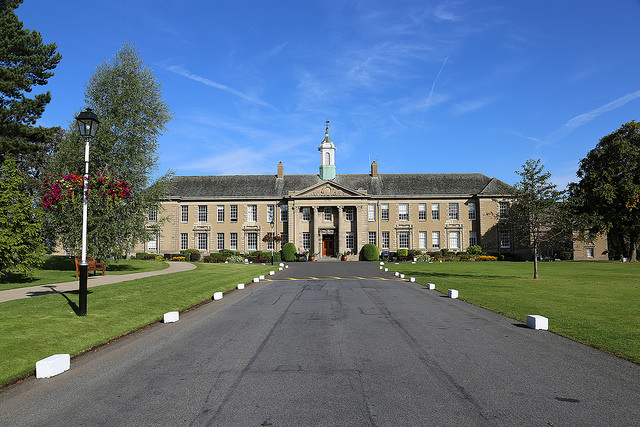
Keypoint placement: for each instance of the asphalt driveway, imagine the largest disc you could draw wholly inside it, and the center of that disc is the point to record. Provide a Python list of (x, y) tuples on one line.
[(335, 344)]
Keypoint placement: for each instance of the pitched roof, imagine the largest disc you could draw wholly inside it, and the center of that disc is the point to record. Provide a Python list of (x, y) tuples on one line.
[(269, 186)]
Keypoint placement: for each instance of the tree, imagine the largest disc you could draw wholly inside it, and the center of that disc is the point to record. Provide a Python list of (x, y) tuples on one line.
[(536, 215), (21, 247), (128, 101), (25, 62), (608, 193)]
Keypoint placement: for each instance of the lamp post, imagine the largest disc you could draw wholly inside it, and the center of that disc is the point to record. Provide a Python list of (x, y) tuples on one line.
[(273, 242), (88, 126)]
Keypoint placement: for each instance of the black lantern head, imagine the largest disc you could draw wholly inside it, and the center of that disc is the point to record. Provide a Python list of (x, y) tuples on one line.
[(88, 123)]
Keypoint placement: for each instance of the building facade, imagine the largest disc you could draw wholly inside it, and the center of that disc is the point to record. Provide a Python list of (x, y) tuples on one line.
[(331, 214)]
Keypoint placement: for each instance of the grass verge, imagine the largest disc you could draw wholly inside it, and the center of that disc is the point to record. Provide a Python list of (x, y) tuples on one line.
[(35, 328), (595, 303), (59, 269)]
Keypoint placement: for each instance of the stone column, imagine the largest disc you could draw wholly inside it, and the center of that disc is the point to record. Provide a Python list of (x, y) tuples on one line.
[(316, 241), (340, 231)]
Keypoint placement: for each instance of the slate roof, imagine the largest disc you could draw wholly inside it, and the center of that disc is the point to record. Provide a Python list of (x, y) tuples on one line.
[(389, 185)]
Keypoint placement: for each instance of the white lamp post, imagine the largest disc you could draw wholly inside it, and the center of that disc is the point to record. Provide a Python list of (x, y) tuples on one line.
[(88, 126)]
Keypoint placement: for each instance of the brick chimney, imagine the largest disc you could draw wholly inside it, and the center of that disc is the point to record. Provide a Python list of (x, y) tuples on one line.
[(374, 169), (280, 170)]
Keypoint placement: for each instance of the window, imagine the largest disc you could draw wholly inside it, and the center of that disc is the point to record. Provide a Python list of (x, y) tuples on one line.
[(153, 215), (385, 240), (285, 238), (202, 213), (384, 212), (350, 243), (306, 241), (233, 241), (327, 214), (252, 241), (472, 211), (184, 213), (152, 244), (184, 241), (220, 213), (233, 213), (422, 212), (504, 210), (371, 212), (454, 213), (454, 240), (473, 238), (505, 239), (348, 213), (220, 241), (270, 213), (435, 239), (270, 243), (590, 253), (306, 214), (403, 240), (252, 213), (422, 240), (435, 211), (202, 241), (403, 212), (284, 213), (372, 238)]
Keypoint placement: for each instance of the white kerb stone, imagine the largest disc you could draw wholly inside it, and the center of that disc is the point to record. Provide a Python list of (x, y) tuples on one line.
[(397, 273), (535, 321), (453, 293), (240, 285), (412, 279), (381, 263), (271, 273), (386, 269), (280, 269), (262, 277), (401, 276), (286, 266), (217, 296), (431, 286), (256, 280), (53, 365), (172, 316), (281, 264)]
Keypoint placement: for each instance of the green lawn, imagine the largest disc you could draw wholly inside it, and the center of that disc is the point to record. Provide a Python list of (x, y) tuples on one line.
[(35, 328), (596, 303), (59, 269)]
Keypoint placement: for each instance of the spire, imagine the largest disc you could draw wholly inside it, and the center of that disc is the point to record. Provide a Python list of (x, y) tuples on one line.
[(327, 155)]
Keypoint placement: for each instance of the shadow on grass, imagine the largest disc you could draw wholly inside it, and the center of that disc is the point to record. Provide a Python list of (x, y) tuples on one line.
[(53, 290), (59, 263), (465, 275)]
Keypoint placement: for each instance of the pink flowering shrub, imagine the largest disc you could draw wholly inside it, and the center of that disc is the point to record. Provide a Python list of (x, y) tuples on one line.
[(68, 188)]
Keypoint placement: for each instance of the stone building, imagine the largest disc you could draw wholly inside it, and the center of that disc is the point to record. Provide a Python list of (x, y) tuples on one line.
[(330, 214)]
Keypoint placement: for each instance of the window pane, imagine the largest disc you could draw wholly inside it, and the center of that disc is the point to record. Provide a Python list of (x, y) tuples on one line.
[(153, 215), (284, 213), (202, 241), (472, 211), (403, 240), (435, 239), (202, 213), (422, 240), (348, 213), (385, 240), (252, 241), (306, 241), (435, 211), (184, 214), (505, 239), (184, 241), (252, 213), (233, 213), (453, 211), (306, 214), (372, 237), (504, 208), (350, 241), (220, 241), (270, 211), (220, 213), (384, 212), (403, 212), (233, 241), (473, 238), (371, 215), (327, 214), (152, 244), (454, 239), (422, 212)]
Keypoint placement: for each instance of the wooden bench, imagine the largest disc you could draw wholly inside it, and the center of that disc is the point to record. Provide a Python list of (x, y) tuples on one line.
[(93, 266)]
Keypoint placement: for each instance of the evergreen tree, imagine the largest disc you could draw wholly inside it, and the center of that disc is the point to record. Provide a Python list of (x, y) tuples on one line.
[(608, 193), (25, 63), (537, 213), (21, 247), (128, 102)]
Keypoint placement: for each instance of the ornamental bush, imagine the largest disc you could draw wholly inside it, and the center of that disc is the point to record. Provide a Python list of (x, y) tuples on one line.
[(474, 250), (289, 252), (370, 252), (403, 252)]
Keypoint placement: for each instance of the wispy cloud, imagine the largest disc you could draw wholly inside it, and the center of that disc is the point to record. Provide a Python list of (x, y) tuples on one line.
[(433, 86), (185, 73), (585, 118), (470, 106)]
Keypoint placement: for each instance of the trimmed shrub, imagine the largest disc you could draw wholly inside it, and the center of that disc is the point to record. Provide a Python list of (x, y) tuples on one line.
[(403, 252), (191, 254), (277, 257), (228, 253), (565, 256), (444, 251), (289, 252), (370, 252), (474, 250)]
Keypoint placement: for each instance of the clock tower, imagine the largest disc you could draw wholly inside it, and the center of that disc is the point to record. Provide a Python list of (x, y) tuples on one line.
[(327, 156)]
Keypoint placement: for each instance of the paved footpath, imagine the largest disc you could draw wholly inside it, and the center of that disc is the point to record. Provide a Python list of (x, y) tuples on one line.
[(54, 288), (335, 344)]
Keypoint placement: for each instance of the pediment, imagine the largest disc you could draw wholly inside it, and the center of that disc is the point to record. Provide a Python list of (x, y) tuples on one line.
[(327, 189)]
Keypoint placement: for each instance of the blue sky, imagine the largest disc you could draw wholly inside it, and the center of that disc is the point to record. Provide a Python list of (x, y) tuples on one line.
[(421, 86)]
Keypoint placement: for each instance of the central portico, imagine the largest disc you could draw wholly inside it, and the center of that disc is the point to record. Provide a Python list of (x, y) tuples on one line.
[(328, 219)]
